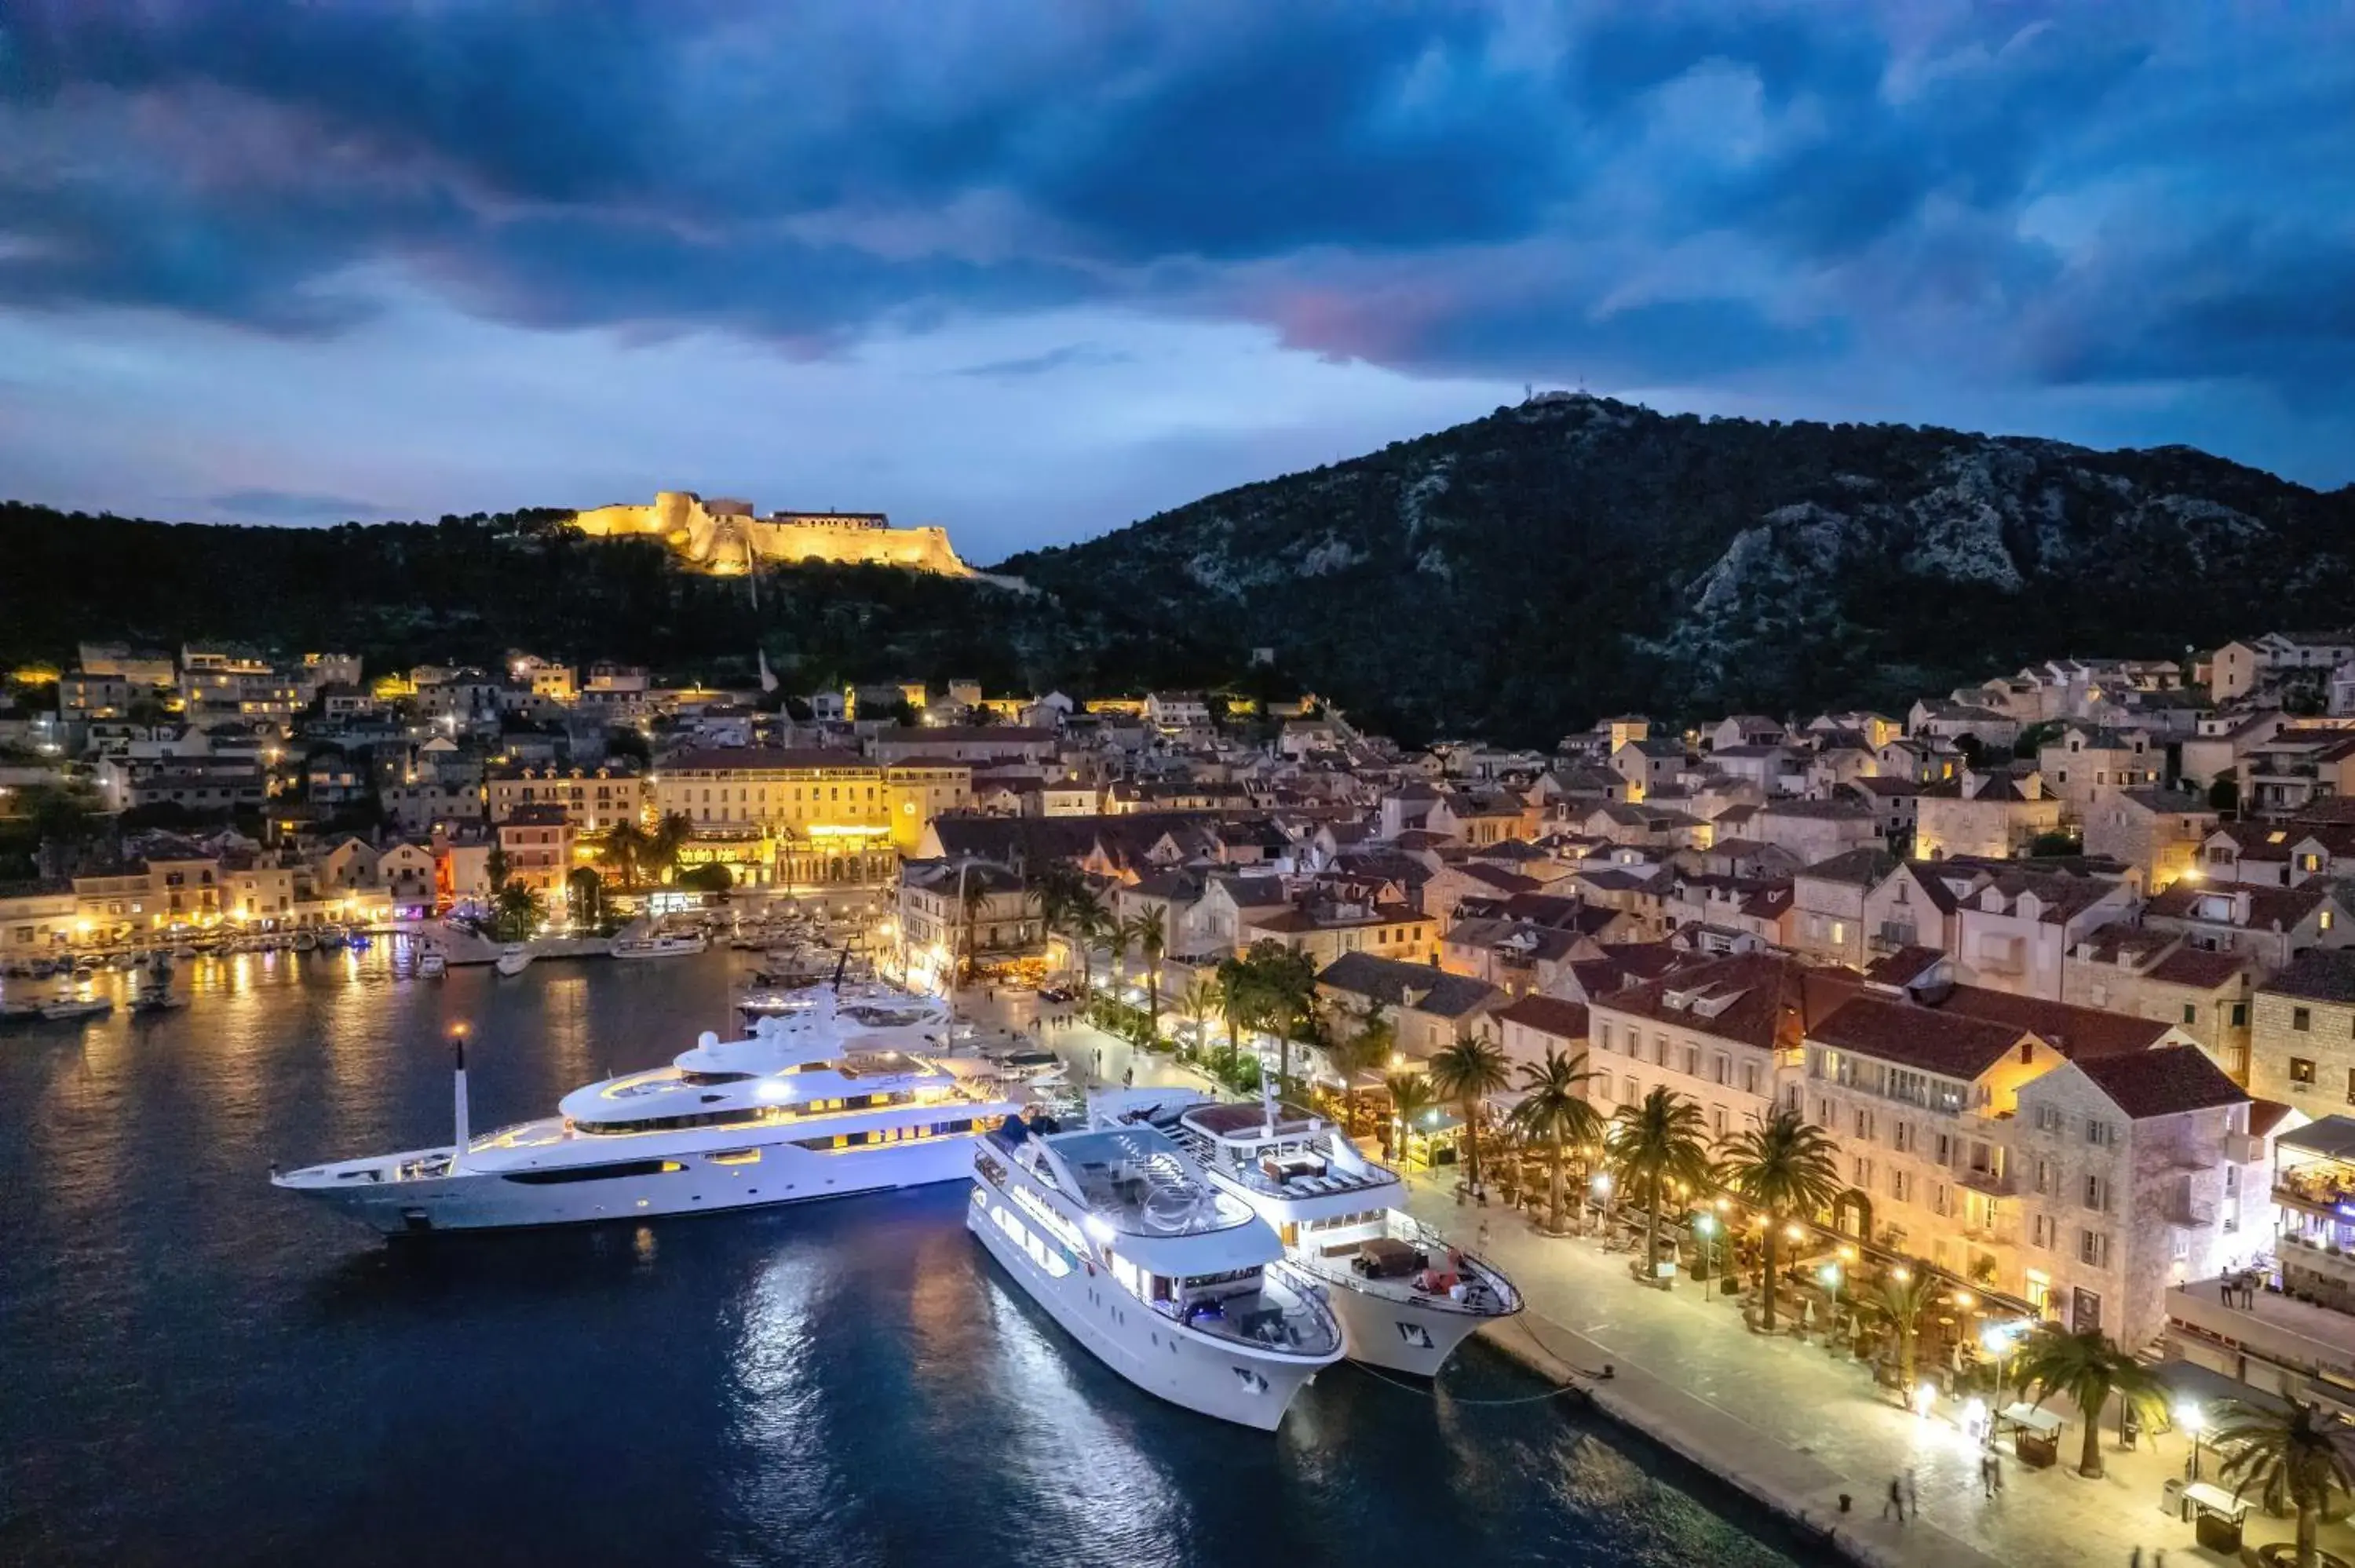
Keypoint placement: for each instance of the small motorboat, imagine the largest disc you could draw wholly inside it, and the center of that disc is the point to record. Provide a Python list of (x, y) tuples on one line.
[(72, 1009), (305, 941), (155, 1000), (431, 964), (513, 960)]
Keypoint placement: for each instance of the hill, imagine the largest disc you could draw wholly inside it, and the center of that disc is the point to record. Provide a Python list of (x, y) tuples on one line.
[(467, 589), (1513, 577), (1518, 575)]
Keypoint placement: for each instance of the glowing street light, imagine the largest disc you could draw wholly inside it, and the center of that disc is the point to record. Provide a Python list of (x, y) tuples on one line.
[(1924, 1397), (2192, 1419)]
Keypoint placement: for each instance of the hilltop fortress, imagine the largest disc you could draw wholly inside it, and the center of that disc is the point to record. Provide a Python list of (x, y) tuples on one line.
[(722, 535)]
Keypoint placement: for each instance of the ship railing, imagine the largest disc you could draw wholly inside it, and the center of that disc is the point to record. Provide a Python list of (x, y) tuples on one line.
[(1283, 1315)]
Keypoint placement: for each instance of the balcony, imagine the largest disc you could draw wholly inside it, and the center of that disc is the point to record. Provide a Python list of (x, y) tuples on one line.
[(2241, 1149), (2191, 1213), (1994, 1183)]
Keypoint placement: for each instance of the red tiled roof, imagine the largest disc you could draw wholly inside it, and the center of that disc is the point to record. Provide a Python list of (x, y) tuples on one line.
[(1949, 1044), (2164, 1082), (1547, 1015), (2077, 1032), (2199, 970)]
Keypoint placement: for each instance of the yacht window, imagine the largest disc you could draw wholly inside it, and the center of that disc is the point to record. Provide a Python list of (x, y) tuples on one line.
[(705, 1079), (595, 1172), (736, 1157)]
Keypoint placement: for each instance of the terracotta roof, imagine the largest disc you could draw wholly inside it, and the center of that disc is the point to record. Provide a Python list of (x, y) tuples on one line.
[(2164, 1082), (1767, 999), (2199, 970), (1547, 1015), (2264, 1116), (1951, 1046), (2077, 1032), (2319, 974), (1902, 967), (1436, 991), (1866, 867)]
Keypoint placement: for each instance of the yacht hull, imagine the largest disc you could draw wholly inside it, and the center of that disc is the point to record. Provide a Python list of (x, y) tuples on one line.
[(491, 1201), (1227, 1382), (1401, 1336)]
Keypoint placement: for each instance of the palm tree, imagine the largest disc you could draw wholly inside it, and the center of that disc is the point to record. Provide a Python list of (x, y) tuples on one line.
[(623, 852), (2295, 1458), (1411, 1097), (2089, 1368), (1363, 1047), (1468, 1072), (1150, 931), (1906, 1292), (670, 835), (1084, 921), (1285, 981), (1238, 1001), (1554, 1112), (972, 894), (517, 912), (1197, 1001), (1783, 1167), (1660, 1140), (585, 892)]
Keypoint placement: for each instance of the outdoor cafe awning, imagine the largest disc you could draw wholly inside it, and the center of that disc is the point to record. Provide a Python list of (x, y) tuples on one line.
[(2333, 1137), (2209, 1388), (2041, 1422), (2216, 1500)]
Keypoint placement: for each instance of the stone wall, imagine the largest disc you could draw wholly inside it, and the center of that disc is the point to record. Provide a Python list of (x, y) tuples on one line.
[(725, 536)]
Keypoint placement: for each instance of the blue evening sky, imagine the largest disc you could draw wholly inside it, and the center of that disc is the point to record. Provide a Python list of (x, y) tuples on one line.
[(1034, 271)]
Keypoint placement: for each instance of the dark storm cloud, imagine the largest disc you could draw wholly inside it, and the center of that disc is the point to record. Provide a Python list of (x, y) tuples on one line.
[(2047, 197)]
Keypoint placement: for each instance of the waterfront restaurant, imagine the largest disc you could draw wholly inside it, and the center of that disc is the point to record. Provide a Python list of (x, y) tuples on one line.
[(2314, 1195)]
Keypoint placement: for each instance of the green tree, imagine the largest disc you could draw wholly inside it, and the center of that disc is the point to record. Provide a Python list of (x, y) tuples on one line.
[(2224, 795), (1411, 1097), (494, 866), (1283, 981), (1150, 932), (973, 896), (585, 892), (516, 912), (1357, 1043), (1467, 1070), (1904, 1296), (1553, 1113), (1197, 1002), (2088, 1367), (1238, 1001), (2295, 1458), (1086, 922), (1660, 1139), (624, 854), (671, 836), (1784, 1167)]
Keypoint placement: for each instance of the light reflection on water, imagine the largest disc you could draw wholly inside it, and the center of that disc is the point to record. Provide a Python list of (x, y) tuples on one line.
[(197, 1369)]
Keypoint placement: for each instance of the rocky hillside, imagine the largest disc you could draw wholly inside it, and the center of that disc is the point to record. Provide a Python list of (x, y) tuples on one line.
[(1520, 574)]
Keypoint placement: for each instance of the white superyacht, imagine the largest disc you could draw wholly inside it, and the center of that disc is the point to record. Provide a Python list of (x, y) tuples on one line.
[(1405, 1298), (853, 1092), (1176, 1286)]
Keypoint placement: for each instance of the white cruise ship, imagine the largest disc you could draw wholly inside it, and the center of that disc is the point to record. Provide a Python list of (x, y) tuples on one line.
[(1404, 1297), (1178, 1287), (852, 1093)]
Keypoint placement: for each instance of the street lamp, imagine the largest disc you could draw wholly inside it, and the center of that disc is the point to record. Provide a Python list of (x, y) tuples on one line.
[(1705, 1227), (2191, 1418), (1829, 1274)]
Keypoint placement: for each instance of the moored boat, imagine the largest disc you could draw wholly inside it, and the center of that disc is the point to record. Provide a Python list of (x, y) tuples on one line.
[(1178, 1286)]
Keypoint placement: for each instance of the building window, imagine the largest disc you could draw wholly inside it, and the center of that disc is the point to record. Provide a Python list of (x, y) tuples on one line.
[(2100, 1133), (2094, 1248), (2301, 1019), (2048, 1118), (2097, 1194), (2040, 1231), (2239, 1015), (2191, 1013), (1900, 1185), (1749, 1078), (2301, 1071)]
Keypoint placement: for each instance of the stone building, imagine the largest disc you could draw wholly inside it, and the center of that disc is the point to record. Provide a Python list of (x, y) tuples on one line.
[(724, 536)]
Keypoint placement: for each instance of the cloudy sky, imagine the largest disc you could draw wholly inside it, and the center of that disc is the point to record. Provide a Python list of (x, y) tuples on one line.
[(1036, 270)]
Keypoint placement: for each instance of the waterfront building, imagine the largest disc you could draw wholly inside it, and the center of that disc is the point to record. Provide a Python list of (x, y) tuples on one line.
[(836, 818), (593, 798), (538, 844)]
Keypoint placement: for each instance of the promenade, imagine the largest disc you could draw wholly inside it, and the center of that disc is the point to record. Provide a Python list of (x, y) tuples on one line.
[(1779, 1419), (1789, 1423)]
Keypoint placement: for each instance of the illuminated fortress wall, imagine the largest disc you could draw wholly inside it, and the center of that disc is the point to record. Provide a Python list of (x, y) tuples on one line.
[(723, 536)]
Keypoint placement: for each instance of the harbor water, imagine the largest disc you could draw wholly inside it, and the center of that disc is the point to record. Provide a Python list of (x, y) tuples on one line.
[(195, 1369)]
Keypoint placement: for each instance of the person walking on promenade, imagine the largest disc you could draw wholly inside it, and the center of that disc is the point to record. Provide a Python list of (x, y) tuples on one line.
[(2135, 1561), (1897, 1502), (1913, 1494), (1990, 1475)]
